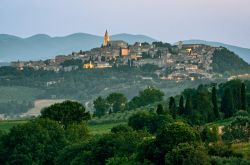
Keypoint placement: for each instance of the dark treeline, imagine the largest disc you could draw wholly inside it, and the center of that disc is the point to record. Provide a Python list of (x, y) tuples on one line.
[(117, 102), (205, 104)]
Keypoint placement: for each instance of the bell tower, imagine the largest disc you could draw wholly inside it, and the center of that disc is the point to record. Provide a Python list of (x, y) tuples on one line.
[(106, 39)]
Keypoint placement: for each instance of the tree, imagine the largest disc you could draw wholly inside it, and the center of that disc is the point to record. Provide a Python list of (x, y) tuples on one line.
[(235, 88), (238, 130), (146, 97), (141, 120), (176, 133), (66, 113), (248, 101), (181, 108), (121, 129), (35, 142), (159, 109), (214, 102), (101, 106), (243, 97), (227, 106), (172, 107), (150, 95), (172, 135), (187, 154), (134, 103), (117, 101), (98, 150), (148, 121), (76, 133), (198, 109), (210, 134), (121, 161), (188, 106)]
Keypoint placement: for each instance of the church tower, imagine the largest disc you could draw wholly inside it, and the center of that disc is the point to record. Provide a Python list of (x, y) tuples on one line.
[(106, 39)]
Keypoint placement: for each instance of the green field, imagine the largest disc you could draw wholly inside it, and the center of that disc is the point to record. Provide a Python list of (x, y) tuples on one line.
[(102, 128), (7, 125), (243, 148), (94, 129), (223, 122)]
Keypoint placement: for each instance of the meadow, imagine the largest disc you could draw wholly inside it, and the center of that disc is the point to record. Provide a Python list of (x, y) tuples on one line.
[(93, 128)]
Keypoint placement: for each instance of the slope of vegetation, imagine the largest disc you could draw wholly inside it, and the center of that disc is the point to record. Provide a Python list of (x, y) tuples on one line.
[(227, 61), (82, 85), (170, 133)]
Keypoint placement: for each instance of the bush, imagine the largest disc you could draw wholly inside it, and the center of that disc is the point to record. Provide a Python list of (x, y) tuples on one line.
[(148, 121), (237, 131), (120, 161), (215, 160), (169, 137), (77, 132), (176, 133), (241, 113), (187, 154), (210, 134), (98, 150), (121, 129), (35, 142), (222, 151)]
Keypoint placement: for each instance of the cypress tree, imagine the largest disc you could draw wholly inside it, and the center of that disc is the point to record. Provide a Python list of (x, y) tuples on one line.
[(172, 107), (214, 102), (227, 106), (159, 109), (188, 106), (243, 97), (181, 106)]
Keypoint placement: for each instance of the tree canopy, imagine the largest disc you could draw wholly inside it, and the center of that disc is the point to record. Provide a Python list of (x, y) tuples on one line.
[(66, 113)]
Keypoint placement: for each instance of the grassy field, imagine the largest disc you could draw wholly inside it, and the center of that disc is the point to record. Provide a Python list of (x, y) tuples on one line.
[(102, 128), (7, 125), (94, 129), (223, 122), (243, 148)]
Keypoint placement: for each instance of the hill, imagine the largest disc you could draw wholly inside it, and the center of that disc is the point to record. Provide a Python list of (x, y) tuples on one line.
[(41, 46), (243, 53), (226, 61)]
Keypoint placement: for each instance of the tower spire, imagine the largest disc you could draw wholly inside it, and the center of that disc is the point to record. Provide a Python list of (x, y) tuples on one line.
[(106, 38)]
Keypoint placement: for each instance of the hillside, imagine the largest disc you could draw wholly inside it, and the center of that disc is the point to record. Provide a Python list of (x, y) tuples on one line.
[(244, 53), (42, 46), (225, 61)]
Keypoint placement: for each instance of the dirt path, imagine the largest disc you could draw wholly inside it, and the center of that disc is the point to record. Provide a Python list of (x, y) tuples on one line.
[(220, 130), (39, 105)]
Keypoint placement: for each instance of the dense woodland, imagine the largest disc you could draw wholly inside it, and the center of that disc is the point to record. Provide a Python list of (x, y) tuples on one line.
[(227, 62), (176, 131)]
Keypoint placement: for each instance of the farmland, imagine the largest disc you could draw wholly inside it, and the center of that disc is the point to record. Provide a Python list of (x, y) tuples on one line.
[(94, 129)]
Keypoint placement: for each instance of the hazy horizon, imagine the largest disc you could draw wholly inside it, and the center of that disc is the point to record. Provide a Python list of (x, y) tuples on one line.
[(169, 21)]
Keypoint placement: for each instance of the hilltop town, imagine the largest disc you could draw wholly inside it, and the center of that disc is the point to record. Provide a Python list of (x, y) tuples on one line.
[(175, 62)]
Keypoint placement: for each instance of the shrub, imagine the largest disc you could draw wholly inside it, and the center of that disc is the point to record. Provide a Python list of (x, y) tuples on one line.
[(121, 129)]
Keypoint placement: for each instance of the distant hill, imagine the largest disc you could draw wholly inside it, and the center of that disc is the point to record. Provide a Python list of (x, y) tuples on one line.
[(41, 46), (243, 53), (226, 61)]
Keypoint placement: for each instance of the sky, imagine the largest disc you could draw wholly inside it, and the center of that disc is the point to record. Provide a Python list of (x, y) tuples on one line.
[(226, 21)]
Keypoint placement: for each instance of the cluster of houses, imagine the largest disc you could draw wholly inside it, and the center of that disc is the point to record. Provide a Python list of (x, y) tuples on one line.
[(193, 61), (178, 62)]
